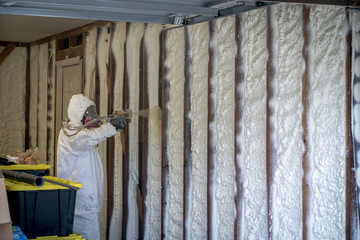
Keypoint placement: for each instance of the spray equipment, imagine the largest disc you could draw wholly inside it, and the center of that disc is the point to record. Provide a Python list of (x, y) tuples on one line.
[(98, 120), (24, 177)]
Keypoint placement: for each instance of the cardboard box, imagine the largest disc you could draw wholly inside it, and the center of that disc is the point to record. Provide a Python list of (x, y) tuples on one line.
[(5, 221)]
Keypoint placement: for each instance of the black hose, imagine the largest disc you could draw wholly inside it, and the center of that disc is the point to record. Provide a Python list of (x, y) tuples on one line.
[(24, 177)]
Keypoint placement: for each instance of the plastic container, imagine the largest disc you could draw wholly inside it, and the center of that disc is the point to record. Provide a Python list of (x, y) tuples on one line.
[(38, 170), (42, 211), (18, 233)]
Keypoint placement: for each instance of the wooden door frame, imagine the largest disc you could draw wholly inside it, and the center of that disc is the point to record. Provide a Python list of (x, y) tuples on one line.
[(59, 95)]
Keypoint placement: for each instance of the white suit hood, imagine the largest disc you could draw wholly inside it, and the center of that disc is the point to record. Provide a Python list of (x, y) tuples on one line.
[(77, 107)]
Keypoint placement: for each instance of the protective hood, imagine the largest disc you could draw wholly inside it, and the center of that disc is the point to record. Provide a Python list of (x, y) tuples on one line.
[(77, 107)]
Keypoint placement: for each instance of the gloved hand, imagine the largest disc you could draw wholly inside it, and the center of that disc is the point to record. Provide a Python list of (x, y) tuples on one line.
[(118, 122)]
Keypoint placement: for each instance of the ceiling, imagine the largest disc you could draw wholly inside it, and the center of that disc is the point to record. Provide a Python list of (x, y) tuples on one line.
[(31, 20)]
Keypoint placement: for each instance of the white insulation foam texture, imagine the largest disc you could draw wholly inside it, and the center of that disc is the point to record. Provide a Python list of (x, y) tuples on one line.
[(287, 121), (90, 63), (253, 156), (175, 64), (133, 43), (103, 45), (224, 127), (153, 201), (117, 50), (12, 102), (199, 44), (327, 123)]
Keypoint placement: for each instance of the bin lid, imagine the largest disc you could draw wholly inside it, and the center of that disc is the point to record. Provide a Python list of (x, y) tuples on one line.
[(73, 236), (13, 185), (25, 167)]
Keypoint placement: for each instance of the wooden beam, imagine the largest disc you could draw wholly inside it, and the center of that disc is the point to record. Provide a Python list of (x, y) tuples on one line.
[(145, 133), (6, 52), (110, 166), (126, 167), (239, 79), (211, 222), (305, 135), (270, 152), (165, 125), (187, 137), (352, 211)]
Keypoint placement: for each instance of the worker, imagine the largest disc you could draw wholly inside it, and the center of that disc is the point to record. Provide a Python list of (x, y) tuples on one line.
[(78, 160)]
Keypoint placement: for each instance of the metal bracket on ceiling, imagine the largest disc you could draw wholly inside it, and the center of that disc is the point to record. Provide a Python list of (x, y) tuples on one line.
[(224, 9)]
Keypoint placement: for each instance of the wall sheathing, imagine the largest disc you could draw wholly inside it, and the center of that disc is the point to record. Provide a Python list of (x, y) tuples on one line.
[(324, 144)]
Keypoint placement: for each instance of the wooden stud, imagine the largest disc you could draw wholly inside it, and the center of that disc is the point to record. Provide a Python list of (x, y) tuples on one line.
[(27, 100), (352, 213), (270, 153), (110, 166), (187, 136), (145, 133), (211, 134), (239, 79), (126, 168), (165, 125), (305, 103)]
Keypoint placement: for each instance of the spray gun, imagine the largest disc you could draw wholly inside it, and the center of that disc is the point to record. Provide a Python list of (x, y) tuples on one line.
[(127, 114)]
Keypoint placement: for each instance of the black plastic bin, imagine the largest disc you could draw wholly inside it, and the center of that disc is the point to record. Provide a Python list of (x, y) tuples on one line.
[(42, 211)]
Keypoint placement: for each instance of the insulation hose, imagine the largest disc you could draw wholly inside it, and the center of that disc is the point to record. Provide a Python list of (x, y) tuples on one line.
[(24, 177)]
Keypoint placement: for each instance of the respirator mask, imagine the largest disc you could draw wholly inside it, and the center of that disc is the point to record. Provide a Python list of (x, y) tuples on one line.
[(91, 118)]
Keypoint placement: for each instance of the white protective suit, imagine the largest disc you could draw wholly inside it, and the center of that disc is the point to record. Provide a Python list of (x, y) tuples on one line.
[(78, 160)]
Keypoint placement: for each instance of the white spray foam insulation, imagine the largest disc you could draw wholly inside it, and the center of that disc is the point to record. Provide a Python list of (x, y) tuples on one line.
[(287, 120), (175, 63), (117, 49), (326, 121), (224, 127), (253, 155), (34, 85), (133, 44), (103, 48), (355, 23), (199, 44), (12, 102), (42, 102), (153, 199), (90, 63)]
